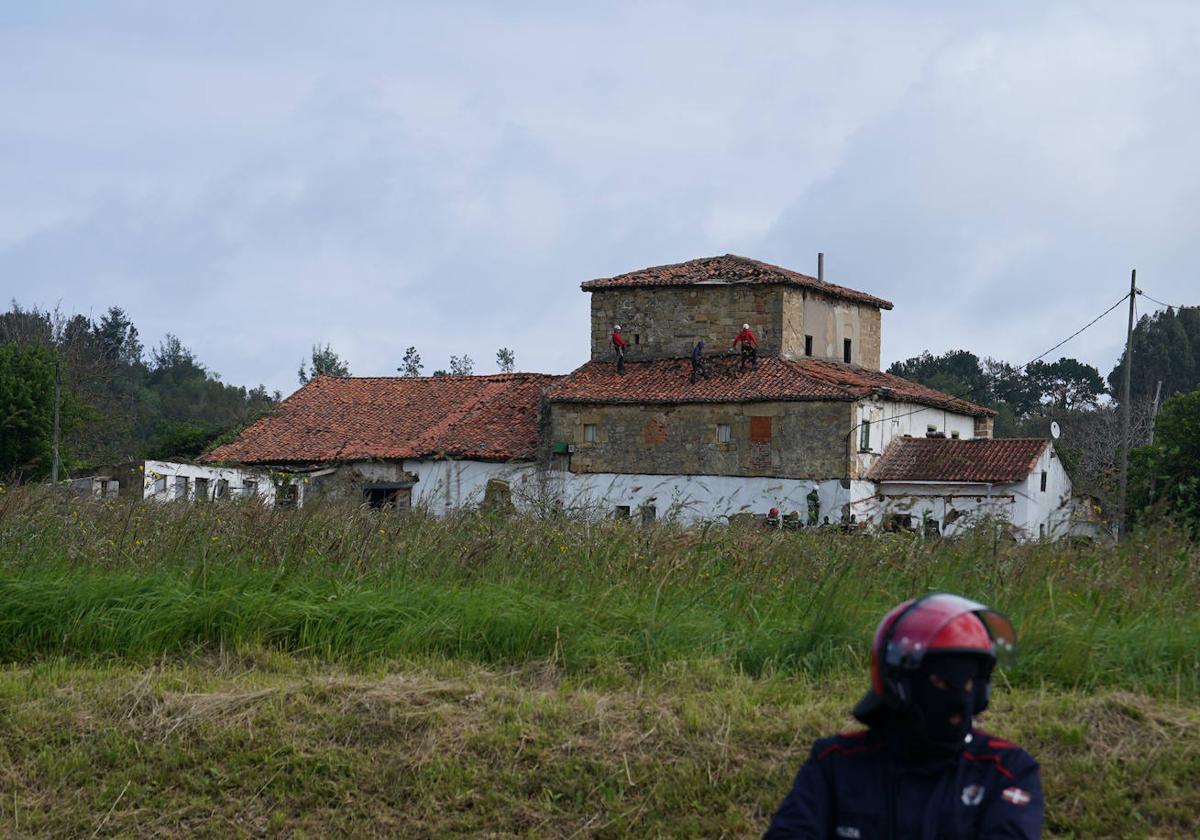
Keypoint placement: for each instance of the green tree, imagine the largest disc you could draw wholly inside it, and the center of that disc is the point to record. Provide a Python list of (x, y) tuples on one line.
[(1066, 384), (506, 360), (411, 365), (462, 365), (1166, 348), (1166, 473), (26, 410), (324, 362), (956, 372)]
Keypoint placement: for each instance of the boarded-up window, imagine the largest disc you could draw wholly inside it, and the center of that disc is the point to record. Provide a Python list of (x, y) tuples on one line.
[(760, 429), (760, 443)]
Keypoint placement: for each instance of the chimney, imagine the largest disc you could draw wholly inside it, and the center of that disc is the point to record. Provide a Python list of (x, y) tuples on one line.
[(820, 267)]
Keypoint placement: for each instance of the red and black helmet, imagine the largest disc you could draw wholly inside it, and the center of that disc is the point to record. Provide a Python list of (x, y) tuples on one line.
[(938, 623)]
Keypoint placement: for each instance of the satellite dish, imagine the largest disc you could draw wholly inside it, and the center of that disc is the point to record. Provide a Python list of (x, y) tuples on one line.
[(1055, 431)]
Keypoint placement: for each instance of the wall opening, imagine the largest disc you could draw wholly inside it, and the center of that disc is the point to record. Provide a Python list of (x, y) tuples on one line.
[(202, 490), (864, 437), (1044, 481), (846, 355)]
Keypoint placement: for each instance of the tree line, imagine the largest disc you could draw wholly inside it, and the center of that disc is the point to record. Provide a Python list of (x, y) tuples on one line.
[(1086, 405), (118, 402)]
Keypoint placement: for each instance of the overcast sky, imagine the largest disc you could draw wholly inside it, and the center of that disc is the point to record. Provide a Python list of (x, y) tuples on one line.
[(257, 177)]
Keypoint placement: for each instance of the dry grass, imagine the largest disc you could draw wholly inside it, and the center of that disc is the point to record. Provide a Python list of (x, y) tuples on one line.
[(264, 745)]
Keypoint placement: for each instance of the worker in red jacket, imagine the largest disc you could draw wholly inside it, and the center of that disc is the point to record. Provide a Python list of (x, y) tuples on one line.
[(749, 347), (921, 768), (619, 344)]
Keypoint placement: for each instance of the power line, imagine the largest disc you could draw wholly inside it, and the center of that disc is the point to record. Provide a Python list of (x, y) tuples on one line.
[(1077, 332), (1160, 303)]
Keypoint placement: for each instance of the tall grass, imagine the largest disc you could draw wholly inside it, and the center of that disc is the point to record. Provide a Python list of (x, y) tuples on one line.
[(138, 581)]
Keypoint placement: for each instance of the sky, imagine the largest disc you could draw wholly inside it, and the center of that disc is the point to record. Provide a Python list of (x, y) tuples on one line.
[(259, 177)]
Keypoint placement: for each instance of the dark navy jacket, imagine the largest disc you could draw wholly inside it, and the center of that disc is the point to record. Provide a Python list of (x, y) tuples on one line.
[(863, 785)]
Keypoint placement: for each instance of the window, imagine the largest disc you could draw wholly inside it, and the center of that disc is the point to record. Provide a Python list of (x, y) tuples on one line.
[(930, 430), (287, 496), (933, 528), (222, 489), (648, 513), (1043, 481), (760, 429), (621, 512), (723, 433), (160, 485), (201, 489), (864, 437), (846, 351), (181, 488), (589, 432), (808, 345), (250, 487), (637, 338), (954, 435)]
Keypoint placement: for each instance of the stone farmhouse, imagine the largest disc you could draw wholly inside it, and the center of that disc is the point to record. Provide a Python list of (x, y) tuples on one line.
[(816, 429)]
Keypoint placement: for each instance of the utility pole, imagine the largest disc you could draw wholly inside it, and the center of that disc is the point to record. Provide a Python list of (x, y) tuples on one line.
[(1153, 418), (57, 394), (1125, 398)]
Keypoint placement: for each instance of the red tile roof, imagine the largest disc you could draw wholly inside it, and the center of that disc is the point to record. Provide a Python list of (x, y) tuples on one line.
[(729, 268), (668, 381), (997, 461), (488, 418)]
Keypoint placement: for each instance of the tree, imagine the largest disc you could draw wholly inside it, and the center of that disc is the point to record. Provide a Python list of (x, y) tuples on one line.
[(117, 337), (461, 365), (1167, 472), (506, 360), (325, 362), (1166, 348), (26, 410), (1066, 384), (411, 365), (956, 372)]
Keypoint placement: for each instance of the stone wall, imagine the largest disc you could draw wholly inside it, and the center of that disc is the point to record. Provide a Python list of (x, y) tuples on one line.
[(829, 322), (806, 440), (664, 323)]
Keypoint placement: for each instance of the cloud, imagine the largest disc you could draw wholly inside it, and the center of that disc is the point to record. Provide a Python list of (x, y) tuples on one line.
[(259, 180)]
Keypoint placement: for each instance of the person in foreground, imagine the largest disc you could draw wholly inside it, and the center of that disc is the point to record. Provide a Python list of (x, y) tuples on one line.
[(921, 769)]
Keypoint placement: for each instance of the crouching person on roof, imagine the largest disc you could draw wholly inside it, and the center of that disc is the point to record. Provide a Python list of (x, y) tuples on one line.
[(921, 769)]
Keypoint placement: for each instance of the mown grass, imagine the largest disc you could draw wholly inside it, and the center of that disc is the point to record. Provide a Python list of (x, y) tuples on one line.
[(270, 745), (226, 670)]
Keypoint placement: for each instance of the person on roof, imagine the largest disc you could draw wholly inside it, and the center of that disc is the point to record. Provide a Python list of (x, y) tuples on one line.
[(921, 768), (749, 347), (619, 344), (698, 361)]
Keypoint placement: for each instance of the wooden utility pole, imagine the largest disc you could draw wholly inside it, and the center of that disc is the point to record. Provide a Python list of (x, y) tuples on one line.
[(1125, 398), (57, 394)]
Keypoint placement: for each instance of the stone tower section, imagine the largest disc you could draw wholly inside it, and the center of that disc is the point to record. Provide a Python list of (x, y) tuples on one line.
[(664, 310)]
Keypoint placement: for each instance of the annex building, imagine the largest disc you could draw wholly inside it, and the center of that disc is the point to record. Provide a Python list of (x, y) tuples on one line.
[(815, 429)]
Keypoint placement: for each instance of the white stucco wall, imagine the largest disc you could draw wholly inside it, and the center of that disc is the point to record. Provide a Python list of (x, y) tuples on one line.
[(895, 419), (1033, 513), (159, 481)]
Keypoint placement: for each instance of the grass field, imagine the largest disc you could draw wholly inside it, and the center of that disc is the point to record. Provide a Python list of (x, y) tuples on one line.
[(228, 669)]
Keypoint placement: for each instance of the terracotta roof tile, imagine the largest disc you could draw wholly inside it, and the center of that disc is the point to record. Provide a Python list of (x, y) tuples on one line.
[(489, 418), (996, 461), (728, 268), (668, 381)]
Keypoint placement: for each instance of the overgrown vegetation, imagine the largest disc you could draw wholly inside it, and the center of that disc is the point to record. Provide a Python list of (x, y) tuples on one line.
[(228, 669)]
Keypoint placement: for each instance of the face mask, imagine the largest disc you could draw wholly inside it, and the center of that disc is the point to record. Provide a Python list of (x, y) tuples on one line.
[(944, 692)]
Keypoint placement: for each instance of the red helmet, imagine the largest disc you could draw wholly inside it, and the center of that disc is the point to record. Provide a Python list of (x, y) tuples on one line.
[(936, 623)]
